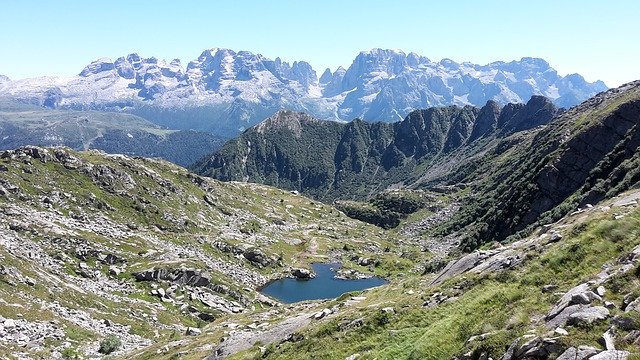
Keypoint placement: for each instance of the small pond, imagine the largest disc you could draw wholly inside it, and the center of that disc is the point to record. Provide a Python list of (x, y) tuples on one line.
[(323, 286)]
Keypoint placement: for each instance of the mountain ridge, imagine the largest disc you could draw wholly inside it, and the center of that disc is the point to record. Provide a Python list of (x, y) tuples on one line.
[(331, 160), (225, 91)]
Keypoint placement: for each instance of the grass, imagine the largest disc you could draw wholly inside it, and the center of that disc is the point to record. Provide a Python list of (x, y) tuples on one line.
[(167, 193), (506, 304)]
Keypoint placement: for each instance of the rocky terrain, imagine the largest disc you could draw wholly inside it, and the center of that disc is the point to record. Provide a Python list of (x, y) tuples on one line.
[(225, 92), (94, 245), (526, 248)]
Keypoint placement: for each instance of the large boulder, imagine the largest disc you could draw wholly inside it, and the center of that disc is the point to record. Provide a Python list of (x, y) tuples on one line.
[(611, 355), (562, 318), (580, 353), (257, 257), (588, 316), (536, 348), (566, 300), (300, 273)]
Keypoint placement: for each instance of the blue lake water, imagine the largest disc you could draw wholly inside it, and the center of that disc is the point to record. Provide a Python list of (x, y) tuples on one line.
[(323, 286)]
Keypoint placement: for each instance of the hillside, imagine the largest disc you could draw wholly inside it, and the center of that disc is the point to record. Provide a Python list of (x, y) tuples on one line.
[(22, 125), (225, 92), (584, 155), (105, 249), (88, 240), (358, 159), (520, 161)]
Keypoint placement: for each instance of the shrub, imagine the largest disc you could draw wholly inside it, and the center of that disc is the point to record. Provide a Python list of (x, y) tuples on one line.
[(70, 354), (110, 344)]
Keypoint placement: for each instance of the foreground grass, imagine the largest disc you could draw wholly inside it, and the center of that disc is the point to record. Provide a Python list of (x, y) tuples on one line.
[(507, 304)]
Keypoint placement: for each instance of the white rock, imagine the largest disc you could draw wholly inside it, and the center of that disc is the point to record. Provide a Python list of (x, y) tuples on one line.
[(193, 331), (9, 324), (561, 331)]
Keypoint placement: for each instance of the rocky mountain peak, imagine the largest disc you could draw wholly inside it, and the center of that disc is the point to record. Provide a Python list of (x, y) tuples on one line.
[(4, 78), (286, 119), (375, 63), (487, 120), (537, 111), (326, 77), (449, 64), (97, 66), (334, 86), (414, 60), (536, 62)]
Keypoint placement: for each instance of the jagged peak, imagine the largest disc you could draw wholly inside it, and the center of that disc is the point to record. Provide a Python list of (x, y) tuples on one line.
[(340, 71), (377, 52), (539, 101), (286, 119), (535, 61), (326, 77), (97, 66)]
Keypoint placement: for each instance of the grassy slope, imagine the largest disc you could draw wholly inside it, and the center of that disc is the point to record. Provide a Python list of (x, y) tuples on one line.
[(280, 224), (509, 303)]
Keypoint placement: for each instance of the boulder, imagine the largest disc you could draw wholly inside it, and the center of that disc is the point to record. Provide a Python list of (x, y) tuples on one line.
[(580, 353), (536, 348), (584, 298), (191, 331), (611, 355), (562, 317), (633, 306), (608, 339), (300, 273), (257, 257), (588, 316), (181, 276), (9, 324), (566, 300)]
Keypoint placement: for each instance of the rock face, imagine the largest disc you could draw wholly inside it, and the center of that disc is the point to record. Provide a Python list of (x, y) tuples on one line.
[(380, 85), (327, 159), (590, 144), (191, 277)]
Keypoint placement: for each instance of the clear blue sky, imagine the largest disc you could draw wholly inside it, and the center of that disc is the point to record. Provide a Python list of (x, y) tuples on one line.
[(598, 39)]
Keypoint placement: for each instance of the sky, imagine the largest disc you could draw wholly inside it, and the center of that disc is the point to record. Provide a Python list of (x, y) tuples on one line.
[(597, 39)]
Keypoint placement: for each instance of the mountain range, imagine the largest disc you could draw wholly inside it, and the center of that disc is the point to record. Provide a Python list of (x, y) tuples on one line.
[(225, 92), (512, 232)]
